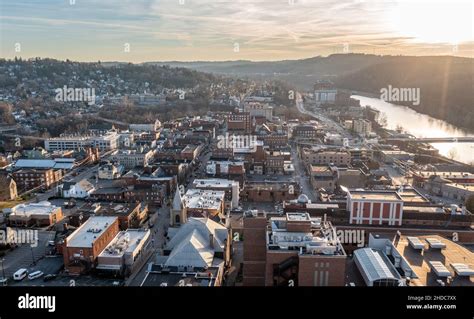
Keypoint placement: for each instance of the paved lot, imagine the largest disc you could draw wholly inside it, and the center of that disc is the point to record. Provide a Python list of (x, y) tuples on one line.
[(25, 256)]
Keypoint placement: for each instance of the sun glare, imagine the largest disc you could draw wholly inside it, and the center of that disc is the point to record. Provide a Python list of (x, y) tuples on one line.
[(436, 22)]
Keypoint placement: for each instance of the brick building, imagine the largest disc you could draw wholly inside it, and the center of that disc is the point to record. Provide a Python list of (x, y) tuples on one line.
[(295, 250), (83, 246)]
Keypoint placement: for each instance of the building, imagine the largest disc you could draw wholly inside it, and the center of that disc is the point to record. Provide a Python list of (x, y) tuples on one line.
[(8, 189), (441, 186), (110, 171), (81, 189), (239, 122), (294, 250), (205, 203), (132, 158), (375, 207), (391, 156), (325, 93), (178, 214), (196, 255), (234, 170), (84, 245), (27, 179), (305, 131), (325, 157), (127, 250), (35, 214), (130, 215), (107, 142), (362, 127), (259, 109), (231, 189), (323, 176), (269, 191), (433, 265), (151, 127)]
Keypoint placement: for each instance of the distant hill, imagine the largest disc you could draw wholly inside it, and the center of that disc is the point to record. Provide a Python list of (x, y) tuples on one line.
[(446, 83)]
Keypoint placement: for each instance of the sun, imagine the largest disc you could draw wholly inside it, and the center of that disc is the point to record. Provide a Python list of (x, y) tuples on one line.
[(437, 21)]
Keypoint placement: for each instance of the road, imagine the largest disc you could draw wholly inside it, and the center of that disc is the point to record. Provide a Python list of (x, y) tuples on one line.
[(302, 177), (160, 220)]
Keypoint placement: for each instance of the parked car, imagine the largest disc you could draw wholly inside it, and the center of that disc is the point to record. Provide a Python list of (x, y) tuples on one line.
[(35, 274), (20, 274)]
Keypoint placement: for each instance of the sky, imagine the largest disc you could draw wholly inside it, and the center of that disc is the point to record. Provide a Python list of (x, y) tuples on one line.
[(220, 30)]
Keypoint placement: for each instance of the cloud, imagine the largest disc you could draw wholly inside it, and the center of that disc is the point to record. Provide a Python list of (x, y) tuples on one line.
[(278, 27)]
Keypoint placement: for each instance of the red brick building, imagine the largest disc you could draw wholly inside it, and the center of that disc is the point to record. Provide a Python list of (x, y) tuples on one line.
[(375, 207), (81, 248)]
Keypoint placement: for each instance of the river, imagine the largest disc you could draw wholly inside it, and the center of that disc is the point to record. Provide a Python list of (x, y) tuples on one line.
[(422, 125)]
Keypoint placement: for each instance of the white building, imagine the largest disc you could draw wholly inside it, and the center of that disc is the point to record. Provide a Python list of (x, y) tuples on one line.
[(230, 187), (259, 109), (105, 142), (362, 127), (122, 253), (81, 189)]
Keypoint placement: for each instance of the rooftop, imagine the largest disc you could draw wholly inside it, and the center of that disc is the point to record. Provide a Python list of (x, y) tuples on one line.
[(203, 199), (41, 208), (299, 231), (86, 235), (419, 262), (374, 195), (125, 242)]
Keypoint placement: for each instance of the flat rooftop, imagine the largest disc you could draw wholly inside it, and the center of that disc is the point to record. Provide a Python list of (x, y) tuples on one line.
[(375, 195), (125, 242), (159, 276), (412, 196), (419, 262), (86, 235), (203, 199), (214, 182)]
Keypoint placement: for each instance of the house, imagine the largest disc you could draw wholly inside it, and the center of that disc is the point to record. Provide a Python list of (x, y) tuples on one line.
[(8, 190), (80, 189)]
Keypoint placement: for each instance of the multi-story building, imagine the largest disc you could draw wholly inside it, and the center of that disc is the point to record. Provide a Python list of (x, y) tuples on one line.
[(205, 203), (231, 189), (325, 93), (323, 176), (107, 142), (84, 245), (294, 250), (132, 158), (375, 207), (325, 157), (305, 131), (27, 179), (35, 214), (125, 252), (110, 171), (259, 109), (239, 122), (362, 127)]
